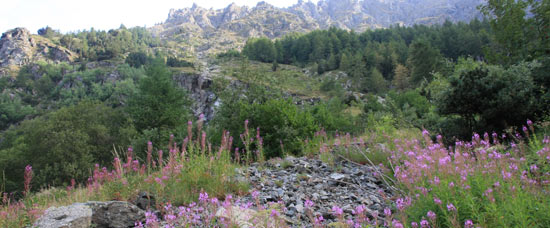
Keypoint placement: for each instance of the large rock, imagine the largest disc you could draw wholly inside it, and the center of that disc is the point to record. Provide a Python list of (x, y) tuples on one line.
[(115, 214), (237, 215), (74, 216), (200, 91), (16, 47), (112, 214)]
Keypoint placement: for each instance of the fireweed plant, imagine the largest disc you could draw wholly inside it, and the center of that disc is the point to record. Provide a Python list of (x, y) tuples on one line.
[(481, 183), (176, 175)]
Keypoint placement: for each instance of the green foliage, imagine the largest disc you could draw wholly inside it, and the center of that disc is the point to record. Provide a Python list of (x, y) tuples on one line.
[(494, 97), (281, 123), (261, 49), (230, 54), (138, 59), (51, 86), (62, 145), (48, 32), (375, 82), (201, 173), (511, 29), (329, 115), (96, 45), (541, 78), (423, 61), (332, 87), (159, 103), (413, 100), (519, 35), (373, 104), (382, 50), (175, 62), (401, 78), (12, 110)]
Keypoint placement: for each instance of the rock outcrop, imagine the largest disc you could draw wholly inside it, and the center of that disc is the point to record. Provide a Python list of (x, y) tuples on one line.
[(18, 47), (200, 92), (112, 214)]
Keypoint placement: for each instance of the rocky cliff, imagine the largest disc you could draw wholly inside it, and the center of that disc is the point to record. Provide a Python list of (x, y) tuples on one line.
[(18, 47), (199, 29)]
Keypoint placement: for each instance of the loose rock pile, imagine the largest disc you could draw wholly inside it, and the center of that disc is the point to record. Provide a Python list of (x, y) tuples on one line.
[(295, 180)]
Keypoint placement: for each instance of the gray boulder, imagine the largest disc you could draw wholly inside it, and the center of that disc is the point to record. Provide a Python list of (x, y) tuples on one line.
[(74, 216), (115, 214), (112, 214)]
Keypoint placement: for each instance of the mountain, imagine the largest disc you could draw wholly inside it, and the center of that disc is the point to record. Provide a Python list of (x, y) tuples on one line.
[(197, 29)]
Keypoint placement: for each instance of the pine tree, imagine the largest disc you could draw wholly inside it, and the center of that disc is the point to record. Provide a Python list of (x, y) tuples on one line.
[(401, 80), (159, 104), (423, 61)]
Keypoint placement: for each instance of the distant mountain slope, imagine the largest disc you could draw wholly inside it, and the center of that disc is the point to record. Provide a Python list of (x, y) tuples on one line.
[(198, 29)]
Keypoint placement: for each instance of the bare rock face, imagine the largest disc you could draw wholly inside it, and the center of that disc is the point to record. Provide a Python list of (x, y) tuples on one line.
[(74, 216), (199, 87), (16, 47)]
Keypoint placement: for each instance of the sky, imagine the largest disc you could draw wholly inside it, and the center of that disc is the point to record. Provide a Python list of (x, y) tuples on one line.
[(74, 15)]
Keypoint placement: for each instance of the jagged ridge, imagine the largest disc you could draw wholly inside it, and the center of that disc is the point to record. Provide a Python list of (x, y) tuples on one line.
[(212, 30)]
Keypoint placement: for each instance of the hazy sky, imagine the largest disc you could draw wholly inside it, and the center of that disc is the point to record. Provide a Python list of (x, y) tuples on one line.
[(72, 15)]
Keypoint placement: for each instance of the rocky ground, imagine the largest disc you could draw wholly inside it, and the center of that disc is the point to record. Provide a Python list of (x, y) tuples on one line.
[(290, 181), (295, 180)]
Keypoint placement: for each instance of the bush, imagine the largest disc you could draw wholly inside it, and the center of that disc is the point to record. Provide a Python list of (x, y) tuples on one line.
[(284, 125), (63, 145), (330, 116), (491, 97), (175, 62), (12, 110), (230, 54), (138, 59)]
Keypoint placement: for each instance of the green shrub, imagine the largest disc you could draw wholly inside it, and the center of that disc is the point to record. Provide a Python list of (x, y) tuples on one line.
[(138, 59), (63, 145), (284, 125)]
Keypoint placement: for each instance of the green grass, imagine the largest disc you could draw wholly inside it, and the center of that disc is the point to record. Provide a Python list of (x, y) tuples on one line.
[(287, 78)]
